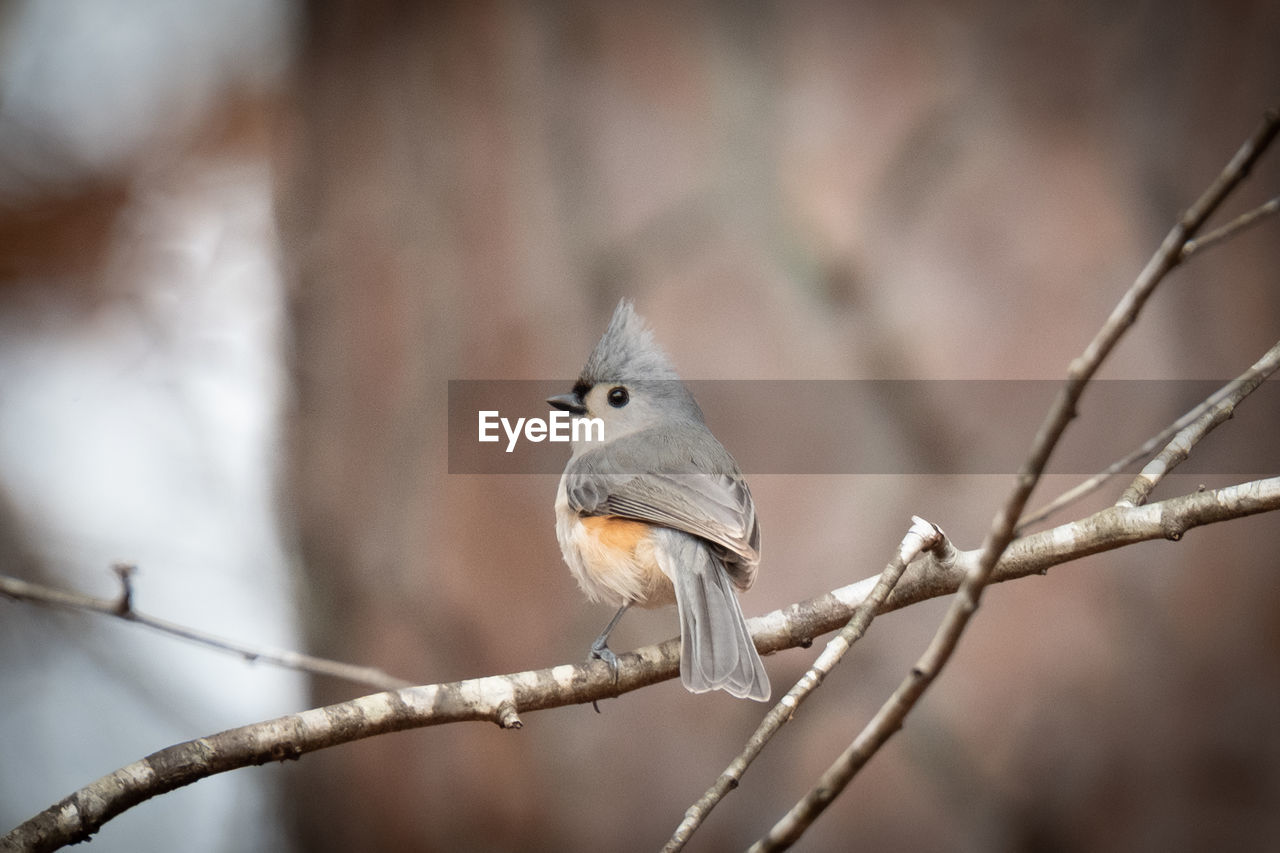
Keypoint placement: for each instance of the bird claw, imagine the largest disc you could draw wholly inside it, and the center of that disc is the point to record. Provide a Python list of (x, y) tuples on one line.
[(600, 651)]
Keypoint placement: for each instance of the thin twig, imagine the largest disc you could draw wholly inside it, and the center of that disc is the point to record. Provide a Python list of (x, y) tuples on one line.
[(1240, 223), (1230, 389), (894, 711), (1179, 448), (122, 608), (922, 536)]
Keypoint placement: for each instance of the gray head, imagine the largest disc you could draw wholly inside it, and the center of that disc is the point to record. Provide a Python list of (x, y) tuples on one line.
[(628, 381)]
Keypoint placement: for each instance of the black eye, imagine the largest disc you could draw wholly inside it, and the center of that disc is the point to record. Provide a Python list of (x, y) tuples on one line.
[(618, 397)]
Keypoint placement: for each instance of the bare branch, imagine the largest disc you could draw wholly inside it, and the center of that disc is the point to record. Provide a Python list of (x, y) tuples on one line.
[(1177, 451), (1237, 389), (894, 711), (122, 608), (922, 536), (1240, 223), (502, 698)]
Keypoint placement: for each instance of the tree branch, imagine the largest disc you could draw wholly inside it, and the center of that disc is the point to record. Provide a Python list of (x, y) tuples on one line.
[(1234, 391), (502, 698), (1179, 448), (922, 536), (122, 608), (1240, 223), (894, 711)]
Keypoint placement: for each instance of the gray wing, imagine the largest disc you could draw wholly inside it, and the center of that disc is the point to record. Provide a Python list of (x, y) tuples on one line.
[(680, 478)]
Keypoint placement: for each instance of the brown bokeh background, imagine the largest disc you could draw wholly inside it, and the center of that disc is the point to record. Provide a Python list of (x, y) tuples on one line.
[(787, 191)]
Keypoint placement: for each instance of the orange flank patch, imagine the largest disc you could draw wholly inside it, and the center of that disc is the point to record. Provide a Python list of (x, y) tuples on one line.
[(616, 561), (615, 533)]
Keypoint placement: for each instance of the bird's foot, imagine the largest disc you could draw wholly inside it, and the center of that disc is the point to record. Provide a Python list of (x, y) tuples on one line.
[(601, 651)]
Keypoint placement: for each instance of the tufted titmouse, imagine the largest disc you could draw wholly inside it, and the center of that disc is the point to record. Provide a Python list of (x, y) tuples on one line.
[(657, 511)]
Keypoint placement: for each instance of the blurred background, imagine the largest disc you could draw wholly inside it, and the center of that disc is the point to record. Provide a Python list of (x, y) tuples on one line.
[(245, 245)]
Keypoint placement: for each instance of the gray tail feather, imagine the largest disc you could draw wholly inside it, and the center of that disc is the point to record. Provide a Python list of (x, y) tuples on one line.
[(716, 650)]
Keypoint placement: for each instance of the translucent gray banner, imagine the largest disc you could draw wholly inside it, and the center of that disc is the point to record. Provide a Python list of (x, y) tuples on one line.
[(940, 427)]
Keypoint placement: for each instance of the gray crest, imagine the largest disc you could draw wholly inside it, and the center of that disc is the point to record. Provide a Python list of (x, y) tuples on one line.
[(627, 351)]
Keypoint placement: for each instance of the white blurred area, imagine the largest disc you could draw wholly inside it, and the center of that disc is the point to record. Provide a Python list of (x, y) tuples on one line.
[(140, 388), (94, 86)]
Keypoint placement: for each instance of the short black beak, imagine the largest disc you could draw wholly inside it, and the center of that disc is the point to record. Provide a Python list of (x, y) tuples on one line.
[(571, 403)]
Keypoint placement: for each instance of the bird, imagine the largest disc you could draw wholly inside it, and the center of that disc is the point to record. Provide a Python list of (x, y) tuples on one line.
[(651, 510)]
